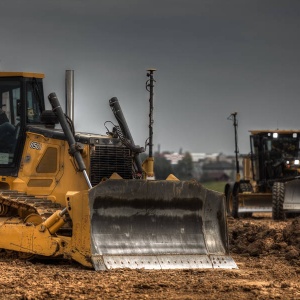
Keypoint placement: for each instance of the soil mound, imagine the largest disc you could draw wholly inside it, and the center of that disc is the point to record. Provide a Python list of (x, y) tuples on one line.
[(255, 237)]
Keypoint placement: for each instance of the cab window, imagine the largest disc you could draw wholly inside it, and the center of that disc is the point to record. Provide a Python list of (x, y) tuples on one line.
[(34, 100), (10, 93)]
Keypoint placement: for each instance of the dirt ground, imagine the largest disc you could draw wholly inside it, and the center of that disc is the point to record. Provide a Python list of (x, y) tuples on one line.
[(266, 252)]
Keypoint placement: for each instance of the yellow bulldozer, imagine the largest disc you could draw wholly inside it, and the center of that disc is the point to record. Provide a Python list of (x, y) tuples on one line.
[(88, 197)]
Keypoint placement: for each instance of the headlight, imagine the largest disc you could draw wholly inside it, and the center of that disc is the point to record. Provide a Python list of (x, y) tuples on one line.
[(296, 162)]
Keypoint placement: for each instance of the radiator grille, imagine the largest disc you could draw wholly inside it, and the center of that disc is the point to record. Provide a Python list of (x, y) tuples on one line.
[(107, 159)]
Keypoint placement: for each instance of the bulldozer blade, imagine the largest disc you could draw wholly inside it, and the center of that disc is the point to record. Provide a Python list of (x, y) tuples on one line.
[(292, 196), (158, 225)]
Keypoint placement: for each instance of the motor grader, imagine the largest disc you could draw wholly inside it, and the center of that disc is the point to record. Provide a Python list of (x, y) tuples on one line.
[(271, 173), (87, 197)]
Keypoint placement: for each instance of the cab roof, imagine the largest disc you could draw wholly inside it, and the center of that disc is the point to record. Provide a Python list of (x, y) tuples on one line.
[(22, 74), (279, 131)]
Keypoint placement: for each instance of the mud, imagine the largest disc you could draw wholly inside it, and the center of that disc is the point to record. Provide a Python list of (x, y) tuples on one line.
[(266, 252)]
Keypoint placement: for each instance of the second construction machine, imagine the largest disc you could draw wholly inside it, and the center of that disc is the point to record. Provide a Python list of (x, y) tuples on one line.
[(271, 175), (87, 197)]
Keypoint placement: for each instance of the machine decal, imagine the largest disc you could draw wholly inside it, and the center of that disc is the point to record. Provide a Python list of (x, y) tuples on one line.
[(35, 145)]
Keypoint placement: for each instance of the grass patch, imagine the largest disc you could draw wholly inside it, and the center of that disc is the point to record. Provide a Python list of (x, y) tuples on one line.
[(215, 185)]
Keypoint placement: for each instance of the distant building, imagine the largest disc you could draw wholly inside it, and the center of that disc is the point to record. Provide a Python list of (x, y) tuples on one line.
[(213, 166), (208, 166), (200, 157), (174, 157), (217, 171)]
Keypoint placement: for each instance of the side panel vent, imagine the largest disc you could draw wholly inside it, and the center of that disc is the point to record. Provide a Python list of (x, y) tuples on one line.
[(108, 159), (48, 163)]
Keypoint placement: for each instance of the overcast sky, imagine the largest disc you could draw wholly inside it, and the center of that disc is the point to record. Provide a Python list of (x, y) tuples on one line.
[(213, 57)]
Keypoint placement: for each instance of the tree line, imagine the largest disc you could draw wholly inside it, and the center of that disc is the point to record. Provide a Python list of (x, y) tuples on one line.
[(183, 170)]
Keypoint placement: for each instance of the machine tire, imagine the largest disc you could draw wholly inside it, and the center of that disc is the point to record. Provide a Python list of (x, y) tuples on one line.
[(228, 195), (277, 201), (232, 201), (235, 206), (246, 187)]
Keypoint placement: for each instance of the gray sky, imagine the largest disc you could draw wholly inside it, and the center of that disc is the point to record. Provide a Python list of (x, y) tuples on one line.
[(213, 57)]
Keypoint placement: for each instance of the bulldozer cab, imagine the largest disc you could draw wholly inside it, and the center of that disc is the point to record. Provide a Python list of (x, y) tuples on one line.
[(21, 103), (275, 154)]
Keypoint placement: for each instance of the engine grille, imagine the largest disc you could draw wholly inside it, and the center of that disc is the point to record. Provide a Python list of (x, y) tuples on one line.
[(106, 160)]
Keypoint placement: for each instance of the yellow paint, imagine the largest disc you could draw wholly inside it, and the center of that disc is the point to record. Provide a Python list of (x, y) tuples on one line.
[(148, 166), (172, 177), (55, 184), (22, 74)]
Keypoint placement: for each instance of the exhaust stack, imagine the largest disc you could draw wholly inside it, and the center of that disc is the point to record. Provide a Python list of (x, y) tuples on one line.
[(69, 78)]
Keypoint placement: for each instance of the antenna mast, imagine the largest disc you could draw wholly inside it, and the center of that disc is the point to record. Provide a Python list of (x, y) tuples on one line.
[(149, 163)]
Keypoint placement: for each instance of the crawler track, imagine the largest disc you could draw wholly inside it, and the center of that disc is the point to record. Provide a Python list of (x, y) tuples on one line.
[(17, 204)]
